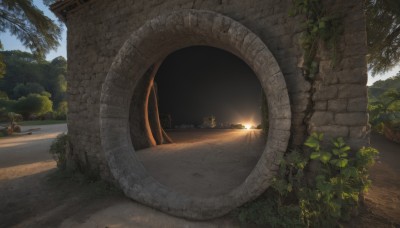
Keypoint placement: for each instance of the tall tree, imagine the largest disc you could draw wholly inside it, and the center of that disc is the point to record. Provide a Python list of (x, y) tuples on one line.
[(2, 65), (383, 31), (28, 23)]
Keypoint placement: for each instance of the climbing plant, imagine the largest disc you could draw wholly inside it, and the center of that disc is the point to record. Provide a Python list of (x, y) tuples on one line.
[(320, 27), (323, 198)]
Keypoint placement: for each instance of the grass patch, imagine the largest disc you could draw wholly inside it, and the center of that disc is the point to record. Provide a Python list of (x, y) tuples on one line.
[(41, 122)]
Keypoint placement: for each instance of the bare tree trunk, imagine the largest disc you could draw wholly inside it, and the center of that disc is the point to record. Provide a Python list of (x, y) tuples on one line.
[(154, 117), (140, 130), (166, 138), (145, 126)]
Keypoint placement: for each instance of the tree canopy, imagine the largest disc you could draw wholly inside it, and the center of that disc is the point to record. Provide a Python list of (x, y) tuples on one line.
[(26, 75), (383, 32), (28, 23)]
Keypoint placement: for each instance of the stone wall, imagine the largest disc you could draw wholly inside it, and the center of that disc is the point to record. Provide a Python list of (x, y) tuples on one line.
[(340, 94), (335, 104)]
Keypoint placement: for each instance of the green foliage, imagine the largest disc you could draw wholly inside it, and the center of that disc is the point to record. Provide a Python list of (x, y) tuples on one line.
[(319, 27), (322, 198), (384, 105), (7, 104), (28, 23), (33, 104), (385, 111), (383, 34), (26, 74), (2, 65), (61, 112), (22, 90), (58, 150)]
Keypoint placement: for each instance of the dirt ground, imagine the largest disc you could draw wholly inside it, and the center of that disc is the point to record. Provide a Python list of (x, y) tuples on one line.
[(34, 194), (204, 162), (383, 199)]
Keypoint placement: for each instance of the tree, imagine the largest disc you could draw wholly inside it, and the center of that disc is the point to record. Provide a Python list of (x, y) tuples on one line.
[(383, 34), (55, 82), (33, 104), (22, 67), (25, 21), (2, 65), (22, 90), (27, 74)]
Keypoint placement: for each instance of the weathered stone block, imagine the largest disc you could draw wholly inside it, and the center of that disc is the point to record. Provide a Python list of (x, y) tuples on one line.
[(353, 76), (320, 105), (352, 90), (331, 131), (324, 93), (322, 118), (352, 119), (358, 132), (337, 105), (357, 104)]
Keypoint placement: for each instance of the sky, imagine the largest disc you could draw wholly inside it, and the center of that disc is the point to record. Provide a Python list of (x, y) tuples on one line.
[(11, 43)]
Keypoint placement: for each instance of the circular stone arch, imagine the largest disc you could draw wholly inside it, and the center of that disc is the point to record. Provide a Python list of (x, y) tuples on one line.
[(151, 43)]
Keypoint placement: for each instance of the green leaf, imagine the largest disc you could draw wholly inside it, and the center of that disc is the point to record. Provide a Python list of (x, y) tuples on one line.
[(341, 142), (320, 136), (334, 161), (315, 155), (336, 151), (342, 163), (312, 142), (322, 24), (343, 154), (345, 148), (325, 157), (349, 172)]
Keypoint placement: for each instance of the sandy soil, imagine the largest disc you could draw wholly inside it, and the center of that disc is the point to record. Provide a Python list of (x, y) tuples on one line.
[(34, 194), (204, 162)]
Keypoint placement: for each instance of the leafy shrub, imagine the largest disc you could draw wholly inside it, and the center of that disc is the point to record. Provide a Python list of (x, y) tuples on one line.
[(23, 90), (61, 113), (323, 198), (58, 150), (7, 105), (33, 104)]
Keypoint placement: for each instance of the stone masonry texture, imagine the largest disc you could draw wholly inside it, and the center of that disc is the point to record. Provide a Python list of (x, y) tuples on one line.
[(334, 104)]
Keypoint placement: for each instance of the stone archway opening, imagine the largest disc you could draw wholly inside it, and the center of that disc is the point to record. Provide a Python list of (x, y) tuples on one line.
[(150, 44), (206, 97)]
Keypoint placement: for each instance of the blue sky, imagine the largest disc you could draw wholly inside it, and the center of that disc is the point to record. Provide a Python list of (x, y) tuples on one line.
[(11, 43)]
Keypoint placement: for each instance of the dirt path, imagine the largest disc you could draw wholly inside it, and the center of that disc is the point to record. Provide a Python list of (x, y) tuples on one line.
[(383, 199), (34, 194), (205, 162), (28, 149)]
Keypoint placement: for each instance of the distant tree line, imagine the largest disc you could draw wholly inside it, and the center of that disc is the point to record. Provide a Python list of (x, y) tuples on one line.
[(33, 87), (384, 107)]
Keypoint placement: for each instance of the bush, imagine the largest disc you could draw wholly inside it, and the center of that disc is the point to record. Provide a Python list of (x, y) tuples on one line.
[(61, 113), (22, 90), (7, 105), (58, 150), (318, 199), (33, 104)]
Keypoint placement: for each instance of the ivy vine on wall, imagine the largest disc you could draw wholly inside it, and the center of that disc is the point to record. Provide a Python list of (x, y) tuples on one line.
[(320, 27)]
